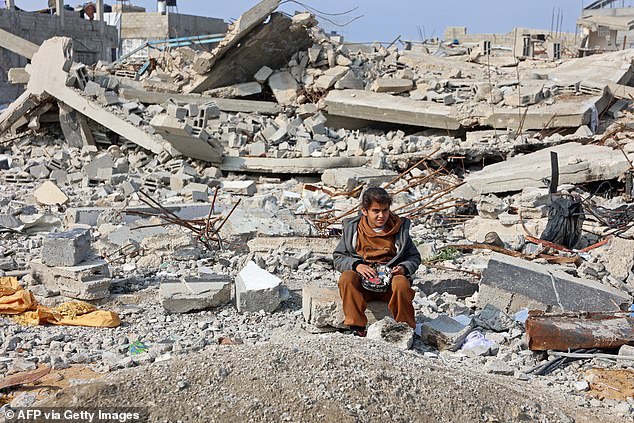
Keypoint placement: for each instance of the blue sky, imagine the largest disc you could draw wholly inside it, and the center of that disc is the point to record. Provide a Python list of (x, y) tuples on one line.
[(383, 20)]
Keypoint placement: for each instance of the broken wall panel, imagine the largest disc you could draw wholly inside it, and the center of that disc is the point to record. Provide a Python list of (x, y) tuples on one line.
[(381, 107), (512, 284), (271, 44)]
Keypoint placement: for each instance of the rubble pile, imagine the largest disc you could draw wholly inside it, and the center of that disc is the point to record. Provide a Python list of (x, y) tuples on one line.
[(201, 201)]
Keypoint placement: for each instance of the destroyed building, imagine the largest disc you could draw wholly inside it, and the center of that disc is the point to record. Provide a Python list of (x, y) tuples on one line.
[(94, 41), (175, 216)]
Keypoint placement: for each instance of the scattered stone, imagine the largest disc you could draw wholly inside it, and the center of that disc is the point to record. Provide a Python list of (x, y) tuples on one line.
[(498, 367), (190, 294), (492, 318), (49, 194), (239, 187), (626, 351), (66, 248), (388, 330), (88, 281), (257, 289), (445, 333)]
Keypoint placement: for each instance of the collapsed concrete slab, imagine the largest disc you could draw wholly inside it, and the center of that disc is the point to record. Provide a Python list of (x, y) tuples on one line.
[(243, 26), (379, 107), (570, 113), (304, 165), (578, 163), (264, 44), (191, 142), (66, 248), (17, 45), (350, 177), (257, 289), (512, 284), (21, 109), (224, 104), (90, 215), (88, 281), (49, 74), (190, 294)]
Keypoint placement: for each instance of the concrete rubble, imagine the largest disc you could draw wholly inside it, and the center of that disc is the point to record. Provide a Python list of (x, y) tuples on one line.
[(257, 289), (202, 199)]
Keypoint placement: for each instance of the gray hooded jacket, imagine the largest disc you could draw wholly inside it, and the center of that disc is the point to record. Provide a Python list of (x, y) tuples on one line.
[(346, 257)]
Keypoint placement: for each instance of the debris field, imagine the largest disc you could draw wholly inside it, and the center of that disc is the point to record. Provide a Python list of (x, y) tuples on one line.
[(169, 226)]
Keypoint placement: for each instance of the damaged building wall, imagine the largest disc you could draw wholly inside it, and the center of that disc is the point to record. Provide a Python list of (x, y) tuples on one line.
[(622, 38), (512, 39), (139, 27), (94, 41)]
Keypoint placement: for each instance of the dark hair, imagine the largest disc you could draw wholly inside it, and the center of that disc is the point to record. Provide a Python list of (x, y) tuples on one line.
[(375, 195)]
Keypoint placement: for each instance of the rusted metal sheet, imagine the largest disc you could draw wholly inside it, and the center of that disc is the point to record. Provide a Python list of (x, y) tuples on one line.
[(563, 332), (24, 377)]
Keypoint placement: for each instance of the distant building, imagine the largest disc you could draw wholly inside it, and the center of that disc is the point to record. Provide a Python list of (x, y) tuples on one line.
[(606, 29), (92, 40), (136, 28)]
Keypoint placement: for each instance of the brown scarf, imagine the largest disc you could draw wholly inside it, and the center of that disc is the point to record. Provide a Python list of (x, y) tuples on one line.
[(378, 247)]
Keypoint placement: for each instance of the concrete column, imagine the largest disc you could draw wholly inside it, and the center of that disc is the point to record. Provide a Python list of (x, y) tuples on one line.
[(10, 4), (99, 10), (59, 10)]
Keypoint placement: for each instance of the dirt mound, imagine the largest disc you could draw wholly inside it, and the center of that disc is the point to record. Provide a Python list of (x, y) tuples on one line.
[(330, 378)]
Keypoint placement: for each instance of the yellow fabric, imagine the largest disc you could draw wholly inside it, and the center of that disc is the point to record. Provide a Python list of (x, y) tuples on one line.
[(16, 301)]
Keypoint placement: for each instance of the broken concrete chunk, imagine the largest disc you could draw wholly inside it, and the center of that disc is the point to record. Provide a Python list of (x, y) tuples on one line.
[(322, 307), (263, 74), (627, 352), (284, 87), (391, 85), (617, 257), (190, 294), (445, 333), (492, 318), (176, 111), (498, 367), (93, 89), (239, 187), (349, 178), (257, 289), (238, 90), (349, 82), (49, 194), (88, 281), (578, 164), (66, 248), (74, 126), (490, 206), (109, 98), (388, 330), (511, 284)]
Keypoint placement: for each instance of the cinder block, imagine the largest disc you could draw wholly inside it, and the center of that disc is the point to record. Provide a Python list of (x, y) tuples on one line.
[(66, 248)]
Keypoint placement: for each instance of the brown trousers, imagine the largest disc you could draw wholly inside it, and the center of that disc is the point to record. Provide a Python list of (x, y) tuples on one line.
[(355, 297)]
